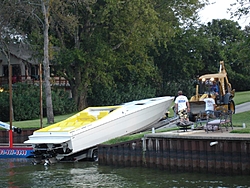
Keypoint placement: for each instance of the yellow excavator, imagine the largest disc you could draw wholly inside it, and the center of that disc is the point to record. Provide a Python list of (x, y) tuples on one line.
[(223, 96)]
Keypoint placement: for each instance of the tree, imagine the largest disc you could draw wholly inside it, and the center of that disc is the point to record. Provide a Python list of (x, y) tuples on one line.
[(113, 37), (97, 40), (232, 44), (24, 15), (195, 51), (240, 9), (7, 37), (45, 4)]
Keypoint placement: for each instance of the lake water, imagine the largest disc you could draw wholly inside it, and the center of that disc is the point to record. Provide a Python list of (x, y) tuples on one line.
[(21, 173)]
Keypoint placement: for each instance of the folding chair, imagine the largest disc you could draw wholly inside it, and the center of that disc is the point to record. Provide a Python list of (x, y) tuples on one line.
[(226, 119)]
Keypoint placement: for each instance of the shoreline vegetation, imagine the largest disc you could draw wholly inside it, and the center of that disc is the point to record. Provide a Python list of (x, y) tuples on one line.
[(238, 120)]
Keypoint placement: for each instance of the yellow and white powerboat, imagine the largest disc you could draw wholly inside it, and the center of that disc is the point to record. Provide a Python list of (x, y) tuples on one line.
[(74, 138)]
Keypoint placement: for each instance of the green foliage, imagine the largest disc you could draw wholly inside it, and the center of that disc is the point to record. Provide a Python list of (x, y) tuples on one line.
[(114, 38), (195, 51), (129, 80), (62, 104), (240, 82), (116, 51), (230, 44), (119, 94), (240, 8), (181, 62), (26, 102), (4, 103), (187, 86)]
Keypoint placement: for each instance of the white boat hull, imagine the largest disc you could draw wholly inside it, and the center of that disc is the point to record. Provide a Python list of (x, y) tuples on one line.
[(61, 141)]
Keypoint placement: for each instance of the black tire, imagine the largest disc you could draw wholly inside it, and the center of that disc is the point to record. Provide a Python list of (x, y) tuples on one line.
[(95, 155), (191, 117), (231, 106)]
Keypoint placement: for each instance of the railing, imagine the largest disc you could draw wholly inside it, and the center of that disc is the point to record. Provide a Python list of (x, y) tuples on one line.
[(55, 81)]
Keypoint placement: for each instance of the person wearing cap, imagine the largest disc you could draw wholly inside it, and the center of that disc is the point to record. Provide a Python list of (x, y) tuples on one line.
[(182, 106)]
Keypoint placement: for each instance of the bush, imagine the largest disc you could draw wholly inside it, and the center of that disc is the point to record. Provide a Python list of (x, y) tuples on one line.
[(62, 104), (26, 102), (126, 92), (172, 88), (4, 103)]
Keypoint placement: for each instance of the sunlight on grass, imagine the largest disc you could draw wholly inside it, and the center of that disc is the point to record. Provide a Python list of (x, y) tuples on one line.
[(241, 131), (136, 136), (240, 118), (242, 97), (35, 124)]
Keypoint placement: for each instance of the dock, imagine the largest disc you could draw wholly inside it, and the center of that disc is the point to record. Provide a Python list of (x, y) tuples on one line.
[(192, 151)]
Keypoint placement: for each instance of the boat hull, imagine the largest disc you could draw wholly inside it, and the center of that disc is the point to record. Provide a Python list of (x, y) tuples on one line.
[(121, 120)]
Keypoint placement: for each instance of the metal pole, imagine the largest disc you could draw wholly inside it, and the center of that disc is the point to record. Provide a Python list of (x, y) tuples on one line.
[(11, 107), (41, 95)]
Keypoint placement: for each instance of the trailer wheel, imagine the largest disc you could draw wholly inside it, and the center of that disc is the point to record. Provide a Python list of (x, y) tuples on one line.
[(95, 155), (231, 106)]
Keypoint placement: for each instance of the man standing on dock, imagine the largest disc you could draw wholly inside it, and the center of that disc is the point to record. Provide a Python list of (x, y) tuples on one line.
[(182, 106), (210, 105)]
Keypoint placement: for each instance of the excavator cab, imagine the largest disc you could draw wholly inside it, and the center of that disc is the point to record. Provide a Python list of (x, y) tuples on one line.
[(208, 86)]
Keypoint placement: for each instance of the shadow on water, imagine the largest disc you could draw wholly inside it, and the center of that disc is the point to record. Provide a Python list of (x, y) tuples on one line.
[(20, 173)]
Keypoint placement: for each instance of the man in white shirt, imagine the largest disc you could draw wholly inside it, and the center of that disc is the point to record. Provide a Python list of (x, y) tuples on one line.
[(210, 104), (182, 106)]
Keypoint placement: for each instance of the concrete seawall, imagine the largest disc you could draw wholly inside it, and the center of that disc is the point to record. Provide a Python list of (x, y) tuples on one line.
[(194, 151)]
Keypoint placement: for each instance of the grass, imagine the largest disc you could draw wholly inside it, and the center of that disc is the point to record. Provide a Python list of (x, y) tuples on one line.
[(35, 124), (241, 131), (135, 136), (240, 118), (242, 97)]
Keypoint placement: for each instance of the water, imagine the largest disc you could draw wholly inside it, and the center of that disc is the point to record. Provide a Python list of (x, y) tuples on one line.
[(21, 173)]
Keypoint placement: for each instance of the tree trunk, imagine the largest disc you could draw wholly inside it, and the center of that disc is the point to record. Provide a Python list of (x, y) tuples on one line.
[(82, 101), (80, 97), (6, 52), (49, 106)]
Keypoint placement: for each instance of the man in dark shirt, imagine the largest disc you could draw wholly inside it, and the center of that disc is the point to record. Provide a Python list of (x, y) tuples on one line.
[(214, 88)]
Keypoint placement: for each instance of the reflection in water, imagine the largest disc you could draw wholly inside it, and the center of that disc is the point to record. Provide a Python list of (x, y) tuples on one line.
[(20, 173), (11, 175), (90, 177)]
